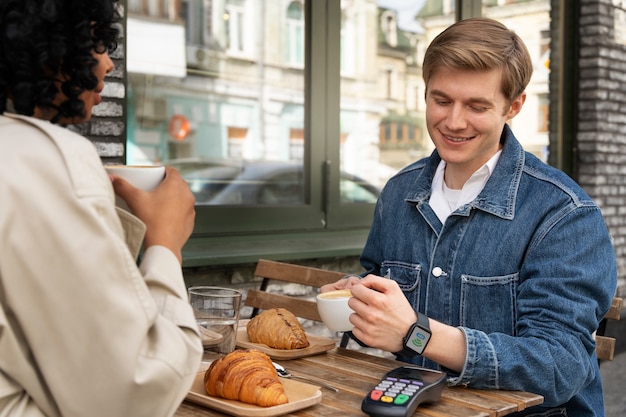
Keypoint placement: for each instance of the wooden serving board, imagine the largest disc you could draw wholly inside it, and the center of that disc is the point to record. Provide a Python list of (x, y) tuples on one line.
[(300, 396), (317, 345)]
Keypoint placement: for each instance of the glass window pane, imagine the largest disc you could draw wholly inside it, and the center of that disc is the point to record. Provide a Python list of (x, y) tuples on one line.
[(233, 121), (382, 92), (381, 120)]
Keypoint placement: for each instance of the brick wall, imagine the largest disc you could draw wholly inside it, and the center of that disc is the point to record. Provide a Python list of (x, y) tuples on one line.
[(107, 127), (601, 124)]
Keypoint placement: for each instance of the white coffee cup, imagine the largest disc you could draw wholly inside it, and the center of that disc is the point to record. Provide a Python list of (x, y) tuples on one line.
[(334, 310), (146, 177)]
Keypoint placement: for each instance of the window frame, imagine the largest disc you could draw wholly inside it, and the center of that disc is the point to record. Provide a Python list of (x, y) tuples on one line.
[(323, 226)]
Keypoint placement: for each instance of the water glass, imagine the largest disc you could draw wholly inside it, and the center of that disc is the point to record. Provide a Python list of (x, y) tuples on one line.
[(217, 314)]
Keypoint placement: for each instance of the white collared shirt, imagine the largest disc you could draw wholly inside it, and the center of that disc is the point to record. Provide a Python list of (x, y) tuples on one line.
[(445, 200)]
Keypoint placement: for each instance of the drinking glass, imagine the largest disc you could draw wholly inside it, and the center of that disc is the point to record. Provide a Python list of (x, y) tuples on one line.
[(217, 314)]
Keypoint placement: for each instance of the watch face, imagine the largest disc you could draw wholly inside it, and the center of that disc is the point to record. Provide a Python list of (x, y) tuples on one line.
[(418, 340)]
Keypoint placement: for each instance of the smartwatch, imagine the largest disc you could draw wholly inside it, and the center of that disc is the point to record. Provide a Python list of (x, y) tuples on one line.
[(416, 338)]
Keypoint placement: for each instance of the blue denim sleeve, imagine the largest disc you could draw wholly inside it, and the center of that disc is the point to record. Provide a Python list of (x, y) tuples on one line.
[(567, 281)]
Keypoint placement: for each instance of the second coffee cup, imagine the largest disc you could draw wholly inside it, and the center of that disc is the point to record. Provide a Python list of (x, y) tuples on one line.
[(334, 310)]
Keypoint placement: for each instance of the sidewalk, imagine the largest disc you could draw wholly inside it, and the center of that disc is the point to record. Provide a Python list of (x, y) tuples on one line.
[(614, 372), (614, 380)]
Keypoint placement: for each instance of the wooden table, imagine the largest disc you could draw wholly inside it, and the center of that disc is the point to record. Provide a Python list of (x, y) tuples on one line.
[(355, 373)]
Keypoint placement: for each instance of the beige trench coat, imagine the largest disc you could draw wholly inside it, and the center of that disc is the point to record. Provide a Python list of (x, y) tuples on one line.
[(84, 331)]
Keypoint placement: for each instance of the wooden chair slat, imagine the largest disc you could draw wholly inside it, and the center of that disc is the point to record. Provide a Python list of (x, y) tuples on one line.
[(616, 309), (265, 300), (314, 277), (605, 348)]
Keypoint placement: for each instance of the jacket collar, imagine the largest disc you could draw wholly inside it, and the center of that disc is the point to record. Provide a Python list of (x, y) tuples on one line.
[(87, 175), (500, 193)]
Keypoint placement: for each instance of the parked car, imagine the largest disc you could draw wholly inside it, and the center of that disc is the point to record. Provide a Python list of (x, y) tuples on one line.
[(260, 182)]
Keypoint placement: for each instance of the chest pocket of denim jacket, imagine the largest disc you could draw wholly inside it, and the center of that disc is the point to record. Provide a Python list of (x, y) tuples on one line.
[(407, 275), (489, 303)]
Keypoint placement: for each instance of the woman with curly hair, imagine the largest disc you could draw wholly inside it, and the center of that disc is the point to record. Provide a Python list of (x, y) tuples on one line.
[(85, 330)]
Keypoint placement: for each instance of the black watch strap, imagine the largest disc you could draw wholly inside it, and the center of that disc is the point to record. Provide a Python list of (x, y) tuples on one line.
[(416, 338)]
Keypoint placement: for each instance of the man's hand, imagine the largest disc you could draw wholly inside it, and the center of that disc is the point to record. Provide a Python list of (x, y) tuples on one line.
[(383, 315)]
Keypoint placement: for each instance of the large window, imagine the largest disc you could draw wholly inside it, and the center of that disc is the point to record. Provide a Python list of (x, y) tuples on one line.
[(288, 116), (250, 122)]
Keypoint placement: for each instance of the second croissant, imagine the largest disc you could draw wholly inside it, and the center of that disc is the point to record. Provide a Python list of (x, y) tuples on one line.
[(277, 328)]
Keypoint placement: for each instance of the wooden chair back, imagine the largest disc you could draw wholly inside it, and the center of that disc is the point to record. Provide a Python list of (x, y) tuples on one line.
[(272, 270), (605, 346)]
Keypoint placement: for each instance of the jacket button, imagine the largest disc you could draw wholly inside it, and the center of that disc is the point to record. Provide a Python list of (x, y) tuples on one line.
[(437, 272)]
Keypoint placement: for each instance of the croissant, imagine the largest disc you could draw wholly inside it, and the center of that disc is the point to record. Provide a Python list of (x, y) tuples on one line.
[(277, 328), (247, 376)]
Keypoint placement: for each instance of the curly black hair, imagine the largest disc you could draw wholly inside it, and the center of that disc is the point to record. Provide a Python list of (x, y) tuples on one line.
[(40, 39)]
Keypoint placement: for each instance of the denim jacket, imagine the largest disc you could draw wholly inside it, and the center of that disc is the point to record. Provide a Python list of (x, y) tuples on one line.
[(526, 270)]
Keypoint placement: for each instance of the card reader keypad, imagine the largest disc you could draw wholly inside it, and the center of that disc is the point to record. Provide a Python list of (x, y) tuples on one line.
[(395, 390)]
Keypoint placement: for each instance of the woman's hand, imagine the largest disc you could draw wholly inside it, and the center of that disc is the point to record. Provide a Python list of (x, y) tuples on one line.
[(168, 210)]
